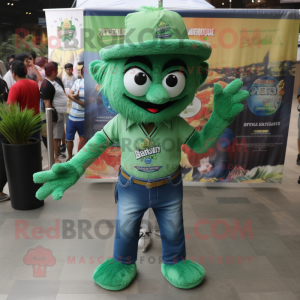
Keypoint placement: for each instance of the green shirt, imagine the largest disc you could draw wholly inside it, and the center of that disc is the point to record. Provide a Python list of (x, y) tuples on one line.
[(153, 155)]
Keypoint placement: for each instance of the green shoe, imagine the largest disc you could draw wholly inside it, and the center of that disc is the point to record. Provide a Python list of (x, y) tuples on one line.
[(114, 276), (185, 275)]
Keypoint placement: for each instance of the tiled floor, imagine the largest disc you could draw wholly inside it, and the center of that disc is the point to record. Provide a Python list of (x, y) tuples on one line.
[(264, 265)]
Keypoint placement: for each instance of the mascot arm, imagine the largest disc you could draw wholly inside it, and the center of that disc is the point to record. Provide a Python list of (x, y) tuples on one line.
[(227, 105), (200, 142), (63, 176)]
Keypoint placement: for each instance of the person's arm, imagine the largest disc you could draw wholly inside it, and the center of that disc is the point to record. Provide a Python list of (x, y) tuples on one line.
[(36, 71), (47, 93), (75, 97), (47, 103), (13, 96)]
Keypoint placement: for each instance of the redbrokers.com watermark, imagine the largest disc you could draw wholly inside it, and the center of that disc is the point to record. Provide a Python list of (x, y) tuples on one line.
[(69, 229)]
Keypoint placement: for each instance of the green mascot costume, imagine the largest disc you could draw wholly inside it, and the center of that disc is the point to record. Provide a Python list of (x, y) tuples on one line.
[(149, 80)]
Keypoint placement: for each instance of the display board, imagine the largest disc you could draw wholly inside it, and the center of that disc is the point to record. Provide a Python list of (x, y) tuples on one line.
[(257, 46), (65, 38)]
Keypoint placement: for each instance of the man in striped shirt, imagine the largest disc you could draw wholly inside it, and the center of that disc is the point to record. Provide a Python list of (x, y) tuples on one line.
[(75, 122)]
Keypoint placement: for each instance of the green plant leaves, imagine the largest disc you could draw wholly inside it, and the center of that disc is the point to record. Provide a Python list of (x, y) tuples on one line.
[(19, 125)]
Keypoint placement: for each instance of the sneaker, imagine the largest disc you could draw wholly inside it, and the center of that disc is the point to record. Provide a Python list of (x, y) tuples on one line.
[(4, 197), (60, 155), (298, 160), (62, 148)]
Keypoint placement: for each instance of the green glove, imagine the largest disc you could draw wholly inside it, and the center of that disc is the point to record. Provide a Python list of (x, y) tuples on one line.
[(227, 102), (226, 107), (63, 176)]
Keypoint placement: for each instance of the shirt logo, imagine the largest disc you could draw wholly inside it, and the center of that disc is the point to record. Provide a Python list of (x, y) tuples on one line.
[(148, 169), (146, 152)]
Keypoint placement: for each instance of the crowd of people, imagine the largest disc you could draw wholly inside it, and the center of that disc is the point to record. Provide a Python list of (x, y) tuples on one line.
[(33, 82)]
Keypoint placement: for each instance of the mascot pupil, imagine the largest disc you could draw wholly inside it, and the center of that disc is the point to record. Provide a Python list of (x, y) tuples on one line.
[(149, 80)]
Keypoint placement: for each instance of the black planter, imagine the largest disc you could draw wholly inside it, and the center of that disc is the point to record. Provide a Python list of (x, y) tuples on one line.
[(21, 162)]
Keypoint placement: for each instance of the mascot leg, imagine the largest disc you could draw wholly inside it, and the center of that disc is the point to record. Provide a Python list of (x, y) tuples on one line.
[(118, 272), (176, 269)]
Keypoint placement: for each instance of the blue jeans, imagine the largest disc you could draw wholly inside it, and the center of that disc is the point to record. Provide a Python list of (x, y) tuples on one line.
[(166, 202)]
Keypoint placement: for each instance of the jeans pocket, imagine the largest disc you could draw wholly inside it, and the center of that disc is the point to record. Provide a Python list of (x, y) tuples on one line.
[(116, 193), (123, 182), (177, 181)]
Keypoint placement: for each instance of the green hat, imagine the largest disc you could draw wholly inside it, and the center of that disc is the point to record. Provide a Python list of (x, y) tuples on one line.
[(151, 31)]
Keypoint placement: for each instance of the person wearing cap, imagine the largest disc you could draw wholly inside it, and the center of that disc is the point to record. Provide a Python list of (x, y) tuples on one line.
[(149, 80)]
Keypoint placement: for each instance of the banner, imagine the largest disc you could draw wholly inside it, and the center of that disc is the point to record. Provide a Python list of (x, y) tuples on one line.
[(257, 46), (65, 38)]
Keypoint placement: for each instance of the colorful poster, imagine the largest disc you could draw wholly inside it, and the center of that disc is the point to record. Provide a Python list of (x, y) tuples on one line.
[(260, 49), (65, 38)]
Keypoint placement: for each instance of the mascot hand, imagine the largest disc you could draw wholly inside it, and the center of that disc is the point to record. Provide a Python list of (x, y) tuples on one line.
[(227, 102), (57, 180)]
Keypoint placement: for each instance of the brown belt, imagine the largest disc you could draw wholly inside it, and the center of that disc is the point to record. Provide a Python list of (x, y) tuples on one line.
[(152, 184)]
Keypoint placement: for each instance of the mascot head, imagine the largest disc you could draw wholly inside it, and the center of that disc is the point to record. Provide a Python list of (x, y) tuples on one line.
[(154, 75)]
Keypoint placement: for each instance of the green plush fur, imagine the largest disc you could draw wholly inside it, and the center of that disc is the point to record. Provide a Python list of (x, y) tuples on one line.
[(226, 106), (63, 176), (184, 275), (202, 50), (110, 76), (114, 276)]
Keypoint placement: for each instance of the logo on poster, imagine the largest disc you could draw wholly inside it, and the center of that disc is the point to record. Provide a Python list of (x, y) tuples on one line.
[(111, 32), (201, 31)]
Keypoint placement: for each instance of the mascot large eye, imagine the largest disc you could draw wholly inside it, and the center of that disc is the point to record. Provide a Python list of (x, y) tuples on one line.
[(137, 82), (174, 83)]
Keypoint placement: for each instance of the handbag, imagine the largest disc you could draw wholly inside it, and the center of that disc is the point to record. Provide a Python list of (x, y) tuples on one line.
[(54, 115)]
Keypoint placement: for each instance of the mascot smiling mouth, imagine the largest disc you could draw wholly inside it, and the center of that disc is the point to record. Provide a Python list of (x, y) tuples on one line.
[(149, 106)]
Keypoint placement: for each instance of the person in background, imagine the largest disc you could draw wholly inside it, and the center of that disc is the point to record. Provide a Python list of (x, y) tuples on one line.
[(53, 96), (68, 82), (69, 78), (2, 69), (75, 122), (32, 71), (41, 62), (25, 92), (3, 178), (8, 76), (298, 107)]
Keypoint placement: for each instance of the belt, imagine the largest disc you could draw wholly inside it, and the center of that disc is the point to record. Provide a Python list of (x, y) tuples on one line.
[(152, 184)]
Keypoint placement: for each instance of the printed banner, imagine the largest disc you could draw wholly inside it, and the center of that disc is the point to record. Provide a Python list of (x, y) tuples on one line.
[(65, 39), (258, 47)]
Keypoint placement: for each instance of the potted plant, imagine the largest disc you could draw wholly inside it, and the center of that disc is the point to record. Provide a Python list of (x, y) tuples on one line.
[(22, 155)]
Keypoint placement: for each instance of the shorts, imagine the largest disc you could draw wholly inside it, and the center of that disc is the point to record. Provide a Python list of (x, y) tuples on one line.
[(299, 127), (72, 127), (59, 127)]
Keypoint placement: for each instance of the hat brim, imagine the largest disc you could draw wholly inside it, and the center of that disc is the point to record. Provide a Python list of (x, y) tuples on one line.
[(156, 47)]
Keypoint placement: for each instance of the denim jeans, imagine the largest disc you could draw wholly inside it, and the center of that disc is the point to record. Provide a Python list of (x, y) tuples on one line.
[(166, 202)]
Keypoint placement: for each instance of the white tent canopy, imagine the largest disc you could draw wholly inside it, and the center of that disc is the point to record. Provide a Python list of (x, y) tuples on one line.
[(169, 4)]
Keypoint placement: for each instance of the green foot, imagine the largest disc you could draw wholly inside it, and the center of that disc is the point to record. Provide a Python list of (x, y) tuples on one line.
[(113, 275), (185, 275)]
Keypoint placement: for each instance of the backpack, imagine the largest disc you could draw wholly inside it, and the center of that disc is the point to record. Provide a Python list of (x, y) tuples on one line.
[(3, 90)]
